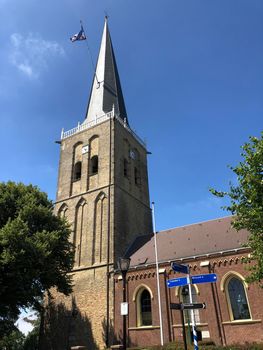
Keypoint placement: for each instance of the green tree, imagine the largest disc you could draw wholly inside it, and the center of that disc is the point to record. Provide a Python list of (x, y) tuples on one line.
[(35, 254), (12, 341), (246, 201), (32, 338)]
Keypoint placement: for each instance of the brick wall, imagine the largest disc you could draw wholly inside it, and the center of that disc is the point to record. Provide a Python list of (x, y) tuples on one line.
[(106, 210), (215, 320)]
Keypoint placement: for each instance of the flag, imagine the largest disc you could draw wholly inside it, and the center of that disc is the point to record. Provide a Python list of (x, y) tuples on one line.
[(79, 36)]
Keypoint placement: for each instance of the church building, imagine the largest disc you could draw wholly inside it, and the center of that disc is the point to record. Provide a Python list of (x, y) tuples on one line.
[(233, 310), (103, 193)]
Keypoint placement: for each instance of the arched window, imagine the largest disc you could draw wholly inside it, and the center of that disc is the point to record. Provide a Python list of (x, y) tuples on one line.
[(62, 212), (94, 165), (146, 308), (237, 299), (81, 217), (185, 298), (143, 296), (77, 171)]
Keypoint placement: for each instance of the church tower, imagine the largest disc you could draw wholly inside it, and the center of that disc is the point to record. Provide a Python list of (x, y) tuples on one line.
[(103, 192)]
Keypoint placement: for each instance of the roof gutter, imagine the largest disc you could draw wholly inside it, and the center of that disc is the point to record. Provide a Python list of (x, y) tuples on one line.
[(192, 257)]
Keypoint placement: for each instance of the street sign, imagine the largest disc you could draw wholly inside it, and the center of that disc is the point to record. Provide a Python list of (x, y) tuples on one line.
[(177, 282), (206, 278), (180, 306), (194, 306), (180, 268), (176, 306), (182, 281)]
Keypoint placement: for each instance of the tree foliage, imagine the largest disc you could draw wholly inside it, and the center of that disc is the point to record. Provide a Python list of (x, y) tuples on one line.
[(12, 341), (246, 201), (32, 338), (35, 254)]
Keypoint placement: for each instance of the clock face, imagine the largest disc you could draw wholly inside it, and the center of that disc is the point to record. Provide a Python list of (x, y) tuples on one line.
[(132, 154), (85, 149)]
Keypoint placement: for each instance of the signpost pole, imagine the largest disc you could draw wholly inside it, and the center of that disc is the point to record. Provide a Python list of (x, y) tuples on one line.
[(184, 333), (189, 331), (189, 280), (192, 313)]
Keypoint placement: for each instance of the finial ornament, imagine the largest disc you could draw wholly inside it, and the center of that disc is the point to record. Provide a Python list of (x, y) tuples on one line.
[(106, 15)]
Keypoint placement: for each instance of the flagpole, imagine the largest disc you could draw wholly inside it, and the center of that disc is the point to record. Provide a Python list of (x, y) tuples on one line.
[(157, 275), (91, 58)]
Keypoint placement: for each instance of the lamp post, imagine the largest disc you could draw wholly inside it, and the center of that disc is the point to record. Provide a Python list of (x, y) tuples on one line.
[(123, 265)]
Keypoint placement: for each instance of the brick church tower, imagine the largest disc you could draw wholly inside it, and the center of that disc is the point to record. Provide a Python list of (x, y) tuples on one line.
[(103, 192)]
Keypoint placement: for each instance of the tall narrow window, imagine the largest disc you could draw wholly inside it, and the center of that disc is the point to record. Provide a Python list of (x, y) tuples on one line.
[(238, 303), (94, 165), (81, 216), (125, 167), (77, 171), (136, 176), (63, 211), (145, 308)]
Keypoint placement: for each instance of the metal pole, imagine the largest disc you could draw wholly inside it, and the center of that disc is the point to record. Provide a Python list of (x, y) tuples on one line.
[(124, 316), (192, 311), (157, 276), (189, 331), (184, 333)]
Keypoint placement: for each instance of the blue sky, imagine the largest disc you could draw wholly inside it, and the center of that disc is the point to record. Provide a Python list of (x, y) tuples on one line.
[(192, 78)]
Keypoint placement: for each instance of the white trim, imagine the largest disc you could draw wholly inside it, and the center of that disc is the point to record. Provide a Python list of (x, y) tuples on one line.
[(137, 289), (177, 290), (228, 275), (101, 119)]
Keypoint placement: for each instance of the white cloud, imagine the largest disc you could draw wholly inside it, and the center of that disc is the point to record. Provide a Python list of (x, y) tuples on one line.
[(25, 68), (31, 54)]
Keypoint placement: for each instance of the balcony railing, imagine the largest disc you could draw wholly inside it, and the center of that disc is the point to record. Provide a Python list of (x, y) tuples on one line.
[(99, 120)]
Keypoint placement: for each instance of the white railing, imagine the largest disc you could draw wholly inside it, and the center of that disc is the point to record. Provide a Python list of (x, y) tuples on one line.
[(99, 120), (131, 131), (84, 126)]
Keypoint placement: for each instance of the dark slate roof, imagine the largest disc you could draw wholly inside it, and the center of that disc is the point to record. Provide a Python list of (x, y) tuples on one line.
[(112, 86), (137, 244), (187, 241), (112, 92)]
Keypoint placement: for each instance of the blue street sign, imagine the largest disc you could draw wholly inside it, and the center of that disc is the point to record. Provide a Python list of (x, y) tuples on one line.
[(179, 268), (176, 282), (207, 278)]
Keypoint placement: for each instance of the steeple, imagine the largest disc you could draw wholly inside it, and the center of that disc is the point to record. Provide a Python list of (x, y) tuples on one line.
[(103, 193), (106, 88)]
